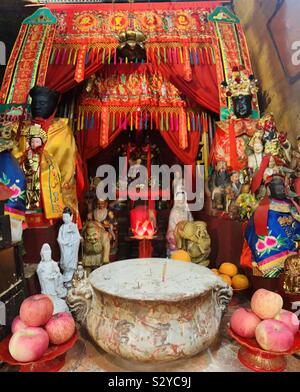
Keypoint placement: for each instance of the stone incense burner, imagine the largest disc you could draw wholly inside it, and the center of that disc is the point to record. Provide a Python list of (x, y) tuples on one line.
[(152, 310)]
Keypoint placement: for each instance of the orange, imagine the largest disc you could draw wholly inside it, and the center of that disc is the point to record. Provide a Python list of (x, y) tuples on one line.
[(215, 271), (226, 278), (181, 255), (240, 282), (228, 269)]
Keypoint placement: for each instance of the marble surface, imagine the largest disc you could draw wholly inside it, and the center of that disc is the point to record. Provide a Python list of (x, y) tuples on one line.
[(221, 356)]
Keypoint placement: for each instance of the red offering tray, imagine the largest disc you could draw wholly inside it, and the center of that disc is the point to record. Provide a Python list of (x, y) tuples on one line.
[(255, 358), (52, 361)]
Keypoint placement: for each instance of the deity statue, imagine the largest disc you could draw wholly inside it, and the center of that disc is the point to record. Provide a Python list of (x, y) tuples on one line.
[(79, 275), (232, 192), (179, 212), (52, 148), (106, 217), (254, 160), (273, 229), (79, 296), (241, 89), (96, 245), (43, 177), (110, 224), (178, 183), (51, 280), (12, 176), (275, 142), (195, 240), (69, 242), (292, 275), (100, 210), (218, 182), (272, 169)]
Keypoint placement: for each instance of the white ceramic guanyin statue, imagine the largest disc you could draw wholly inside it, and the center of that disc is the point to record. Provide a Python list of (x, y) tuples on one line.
[(69, 242), (51, 280), (180, 212), (178, 183)]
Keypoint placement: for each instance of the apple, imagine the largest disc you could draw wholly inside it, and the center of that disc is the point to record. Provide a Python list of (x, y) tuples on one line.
[(60, 327), (244, 322), (289, 319), (36, 310), (17, 324), (28, 344), (266, 304), (273, 335)]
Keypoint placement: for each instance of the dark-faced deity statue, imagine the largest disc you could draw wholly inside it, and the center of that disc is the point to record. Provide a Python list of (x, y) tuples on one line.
[(242, 106), (44, 102)]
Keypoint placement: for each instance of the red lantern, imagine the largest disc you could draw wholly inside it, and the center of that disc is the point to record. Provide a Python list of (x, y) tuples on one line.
[(143, 222)]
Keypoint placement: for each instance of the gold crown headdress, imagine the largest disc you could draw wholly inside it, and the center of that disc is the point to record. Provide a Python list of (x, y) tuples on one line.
[(240, 84), (37, 131)]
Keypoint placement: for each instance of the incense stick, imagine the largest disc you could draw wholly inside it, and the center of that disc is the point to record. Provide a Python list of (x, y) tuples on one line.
[(164, 271)]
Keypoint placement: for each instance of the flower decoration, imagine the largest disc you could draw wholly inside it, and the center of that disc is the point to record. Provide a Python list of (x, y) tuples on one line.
[(247, 204)]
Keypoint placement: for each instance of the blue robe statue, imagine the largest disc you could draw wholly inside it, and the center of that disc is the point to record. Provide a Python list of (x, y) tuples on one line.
[(270, 252), (13, 177)]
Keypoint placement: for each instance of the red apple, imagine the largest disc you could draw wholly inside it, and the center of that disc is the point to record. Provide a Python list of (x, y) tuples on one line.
[(60, 328), (36, 310), (244, 322), (289, 319), (28, 344), (273, 335), (266, 304), (17, 324)]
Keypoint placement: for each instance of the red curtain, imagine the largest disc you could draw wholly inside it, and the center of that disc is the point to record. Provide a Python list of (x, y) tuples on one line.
[(202, 87), (187, 156), (61, 77)]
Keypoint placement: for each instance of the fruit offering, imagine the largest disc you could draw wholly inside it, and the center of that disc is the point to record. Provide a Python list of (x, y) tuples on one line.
[(181, 255), (36, 327), (273, 327), (60, 328), (230, 274)]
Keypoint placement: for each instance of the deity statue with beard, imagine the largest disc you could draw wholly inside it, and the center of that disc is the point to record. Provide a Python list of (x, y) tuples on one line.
[(96, 246), (219, 181)]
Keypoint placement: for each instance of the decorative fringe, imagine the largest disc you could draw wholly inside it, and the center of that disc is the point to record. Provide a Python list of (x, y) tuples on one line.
[(170, 53), (162, 118)]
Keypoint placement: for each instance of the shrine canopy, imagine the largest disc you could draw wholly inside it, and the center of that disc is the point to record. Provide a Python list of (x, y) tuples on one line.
[(179, 42), (191, 46), (180, 53)]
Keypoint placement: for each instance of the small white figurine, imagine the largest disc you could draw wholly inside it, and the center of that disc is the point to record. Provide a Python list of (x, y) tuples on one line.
[(180, 212), (69, 242), (255, 159), (178, 183), (51, 280)]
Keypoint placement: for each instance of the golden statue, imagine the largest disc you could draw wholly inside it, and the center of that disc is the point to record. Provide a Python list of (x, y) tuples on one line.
[(57, 148), (195, 240), (292, 274), (43, 177), (96, 245)]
